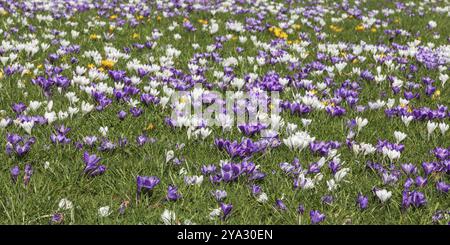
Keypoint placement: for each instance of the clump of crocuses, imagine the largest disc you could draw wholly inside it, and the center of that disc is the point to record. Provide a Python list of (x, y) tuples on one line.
[(19, 145), (15, 172), (92, 167)]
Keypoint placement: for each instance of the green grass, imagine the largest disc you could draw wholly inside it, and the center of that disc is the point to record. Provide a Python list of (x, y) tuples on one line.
[(35, 203)]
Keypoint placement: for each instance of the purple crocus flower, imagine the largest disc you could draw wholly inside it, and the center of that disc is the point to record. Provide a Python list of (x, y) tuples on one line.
[(408, 183), (256, 190), (316, 217), (301, 209), (327, 199), (421, 181), (208, 169), (13, 138), (98, 171), (90, 140), (18, 108), (409, 168), (226, 209), (437, 216), (280, 205), (418, 199), (428, 167), (441, 153), (172, 193), (363, 202), (90, 160), (136, 111), (57, 219), (123, 206), (15, 171), (442, 186), (21, 150), (141, 140), (335, 111), (28, 173), (122, 142), (146, 183), (219, 195), (92, 168), (121, 115)]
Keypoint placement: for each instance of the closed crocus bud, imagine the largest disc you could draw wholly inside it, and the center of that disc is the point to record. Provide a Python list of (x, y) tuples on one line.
[(15, 171), (280, 205), (121, 115), (28, 173), (363, 202), (301, 209)]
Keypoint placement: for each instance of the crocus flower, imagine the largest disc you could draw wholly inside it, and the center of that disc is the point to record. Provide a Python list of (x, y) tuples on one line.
[(442, 187), (421, 181), (18, 108), (327, 199), (15, 171), (226, 209), (92, 168), (28, 173), (90, 160), (418, 199), (136, 111), (362, 201), (172, 193), (146, 183), (316, 217), (219, 195), (121, 115), (141, 140), (280, 205), (428, 167), (383, 195), (123, 207), (57, 219)]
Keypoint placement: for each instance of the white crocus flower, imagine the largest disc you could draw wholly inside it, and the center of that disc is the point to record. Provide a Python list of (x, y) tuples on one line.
[(399, 136), (443, 78), (262, 198), (86, 107), (50, 116), (65, 204), (62, 115), (104, 211), (407, 119), (383, 195), (339, 176), (169, 155), (431, 126), (168, 217), (27, 126), (306, 122), (361, 122), (331, 185), (391, 154), (443, 127), (299, 140), (34, 105), (103, 130), (215, 213)]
